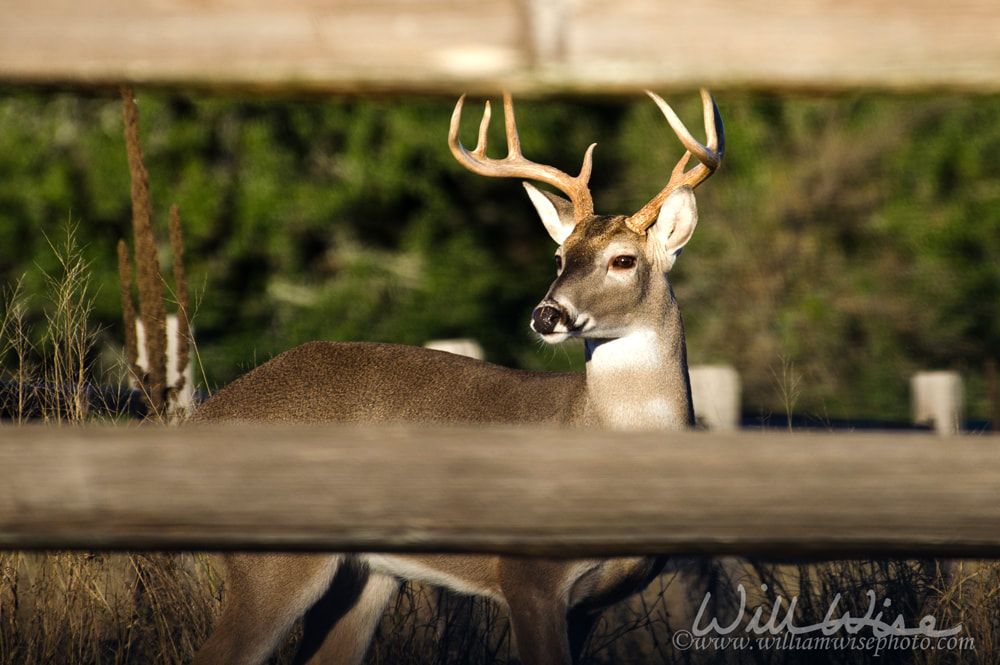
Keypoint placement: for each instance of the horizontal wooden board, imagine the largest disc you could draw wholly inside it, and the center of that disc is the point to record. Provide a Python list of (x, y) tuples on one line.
[(586, 46), (537, 492)]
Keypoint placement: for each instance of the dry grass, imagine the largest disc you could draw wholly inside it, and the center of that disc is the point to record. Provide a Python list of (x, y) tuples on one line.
[(50, 372), (82, 607)]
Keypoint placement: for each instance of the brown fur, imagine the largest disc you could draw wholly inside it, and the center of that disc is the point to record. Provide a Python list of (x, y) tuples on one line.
[(350, 382)]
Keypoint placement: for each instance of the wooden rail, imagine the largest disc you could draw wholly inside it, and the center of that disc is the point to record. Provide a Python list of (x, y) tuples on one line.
[(538, 492), (551, 45)]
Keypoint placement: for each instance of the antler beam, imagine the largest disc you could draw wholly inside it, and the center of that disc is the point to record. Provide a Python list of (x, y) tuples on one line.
[(514, 165), (709, 157)]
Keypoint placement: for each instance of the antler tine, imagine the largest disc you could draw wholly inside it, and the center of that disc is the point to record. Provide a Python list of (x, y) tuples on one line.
[(514, 165), (510, 126), (709, 157), (484, 126)]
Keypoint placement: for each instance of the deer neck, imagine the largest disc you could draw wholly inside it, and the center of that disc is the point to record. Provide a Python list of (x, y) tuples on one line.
[(640, 381)]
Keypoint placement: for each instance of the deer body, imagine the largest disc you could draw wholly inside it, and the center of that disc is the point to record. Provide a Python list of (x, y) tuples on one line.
[(298, 387), (612, 290)]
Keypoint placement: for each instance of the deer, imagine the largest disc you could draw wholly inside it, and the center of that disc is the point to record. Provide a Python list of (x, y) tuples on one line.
[(611, 289)]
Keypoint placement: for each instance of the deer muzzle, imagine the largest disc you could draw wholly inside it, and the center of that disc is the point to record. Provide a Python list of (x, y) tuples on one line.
[(546, 317)]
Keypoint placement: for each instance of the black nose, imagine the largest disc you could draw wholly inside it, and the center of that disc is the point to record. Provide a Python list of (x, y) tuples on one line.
[(545, 318)]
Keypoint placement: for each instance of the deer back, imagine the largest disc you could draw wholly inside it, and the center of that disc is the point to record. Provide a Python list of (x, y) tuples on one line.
[(368, 382)]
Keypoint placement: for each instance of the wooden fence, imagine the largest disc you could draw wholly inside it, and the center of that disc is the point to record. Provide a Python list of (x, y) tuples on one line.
[(467, 45), (516, 491), (538, 492)]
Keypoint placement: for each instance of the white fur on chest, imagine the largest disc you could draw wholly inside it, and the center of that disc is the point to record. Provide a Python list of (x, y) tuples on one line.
[(634, 385)]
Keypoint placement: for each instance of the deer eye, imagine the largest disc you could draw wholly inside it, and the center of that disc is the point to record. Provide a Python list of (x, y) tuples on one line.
[(558, 263), (623, 262)]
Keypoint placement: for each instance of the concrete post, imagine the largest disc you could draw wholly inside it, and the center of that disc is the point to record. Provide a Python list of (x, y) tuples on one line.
[(937, 398), (462, 347), (715, 390)]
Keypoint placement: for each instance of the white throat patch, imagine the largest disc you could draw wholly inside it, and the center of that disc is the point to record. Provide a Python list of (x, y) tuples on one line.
[(630, 386), (640, 350)]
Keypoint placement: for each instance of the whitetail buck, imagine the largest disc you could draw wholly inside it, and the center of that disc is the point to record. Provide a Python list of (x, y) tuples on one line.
[(612, 291)]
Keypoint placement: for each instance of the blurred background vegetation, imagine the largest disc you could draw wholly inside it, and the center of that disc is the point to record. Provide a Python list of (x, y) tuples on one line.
[(846, 242)]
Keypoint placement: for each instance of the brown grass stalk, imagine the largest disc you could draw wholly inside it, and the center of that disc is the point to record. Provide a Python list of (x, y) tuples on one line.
[(152, 310), (128, 311)]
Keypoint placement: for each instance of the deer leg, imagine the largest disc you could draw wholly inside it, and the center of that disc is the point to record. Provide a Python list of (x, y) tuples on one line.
[(539, 628), (342, 595), (340, 627), (536, 600), (266, 595)]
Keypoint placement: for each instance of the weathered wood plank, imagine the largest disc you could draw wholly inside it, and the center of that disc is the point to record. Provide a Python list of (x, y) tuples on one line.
[(512, 491), (552, 45)]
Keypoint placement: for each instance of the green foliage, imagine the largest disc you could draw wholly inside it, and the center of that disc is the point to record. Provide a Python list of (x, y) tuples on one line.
[(854, 239)]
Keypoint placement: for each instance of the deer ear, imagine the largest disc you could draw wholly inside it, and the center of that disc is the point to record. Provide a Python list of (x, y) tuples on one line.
[(676, 222), (555, 211)]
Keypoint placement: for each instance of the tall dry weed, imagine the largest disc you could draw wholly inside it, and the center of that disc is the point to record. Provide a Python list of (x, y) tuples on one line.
[(15, 342), (48, 374), (70, 338)]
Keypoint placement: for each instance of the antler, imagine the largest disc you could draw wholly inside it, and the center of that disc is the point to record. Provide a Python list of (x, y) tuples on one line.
[(514, 165), (709, 156)]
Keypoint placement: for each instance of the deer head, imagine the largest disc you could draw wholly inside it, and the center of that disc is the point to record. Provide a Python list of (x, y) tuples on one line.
[(606, 264)]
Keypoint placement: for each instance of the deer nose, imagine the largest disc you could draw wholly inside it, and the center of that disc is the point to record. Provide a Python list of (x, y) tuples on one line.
[(545, 318)]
